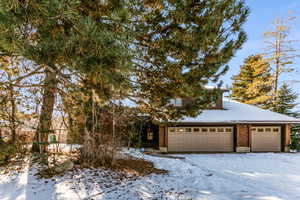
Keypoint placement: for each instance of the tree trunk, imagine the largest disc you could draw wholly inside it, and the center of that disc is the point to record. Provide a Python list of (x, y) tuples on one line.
[(278, 54), (1, 139), (276, 78), (13, 125), (44, 127)]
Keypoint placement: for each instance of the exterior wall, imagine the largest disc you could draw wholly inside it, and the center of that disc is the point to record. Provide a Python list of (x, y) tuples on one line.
[(218, 105), (166, 136), (242, 138), (163, 138), (186, 101), (287, 137)]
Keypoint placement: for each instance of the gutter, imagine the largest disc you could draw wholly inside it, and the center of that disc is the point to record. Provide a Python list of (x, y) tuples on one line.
[(235, 122)]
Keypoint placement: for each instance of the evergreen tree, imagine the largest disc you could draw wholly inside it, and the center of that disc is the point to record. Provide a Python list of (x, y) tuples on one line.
[(183, 45), (253, 84), (176, 47), (286, 101), (86, 39), (242, 81)]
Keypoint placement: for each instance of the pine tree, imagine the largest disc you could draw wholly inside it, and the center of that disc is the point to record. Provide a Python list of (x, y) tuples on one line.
[(183, 45), (286, 101), (253, 84), (176, 47), (242, 81), (85, 39)]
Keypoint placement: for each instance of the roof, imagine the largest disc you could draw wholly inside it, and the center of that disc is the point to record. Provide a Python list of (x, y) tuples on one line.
[(235, 112), (212, 87)]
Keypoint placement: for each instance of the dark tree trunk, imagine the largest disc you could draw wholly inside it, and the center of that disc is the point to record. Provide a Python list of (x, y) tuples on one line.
[(13, 119), (1, 139), (44, 126)]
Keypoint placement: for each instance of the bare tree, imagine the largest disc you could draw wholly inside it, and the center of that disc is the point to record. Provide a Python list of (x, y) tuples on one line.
[(279, 49), (14, 85)]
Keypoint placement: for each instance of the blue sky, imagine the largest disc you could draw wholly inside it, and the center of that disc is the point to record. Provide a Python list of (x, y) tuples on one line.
[(262, 14)]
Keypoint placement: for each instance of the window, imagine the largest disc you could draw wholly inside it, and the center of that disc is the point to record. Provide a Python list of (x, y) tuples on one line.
[(172, 130), (260, 130), (188, 129), (228, 130), (180, 129), (268, 129), (150, 135), (196, 129), (204, 129), (275, 130), (220, 129), (176, 102), (212, 130), (253, 129)]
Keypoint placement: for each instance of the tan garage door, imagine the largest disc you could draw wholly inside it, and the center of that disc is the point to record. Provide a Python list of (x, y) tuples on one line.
[(201, 139), (266, 138)]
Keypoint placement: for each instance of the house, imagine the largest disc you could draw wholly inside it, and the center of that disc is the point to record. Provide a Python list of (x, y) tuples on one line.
[(228, 127)]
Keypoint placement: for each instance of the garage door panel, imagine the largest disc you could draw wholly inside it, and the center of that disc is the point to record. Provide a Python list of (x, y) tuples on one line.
[(266, 138), (202, 139)]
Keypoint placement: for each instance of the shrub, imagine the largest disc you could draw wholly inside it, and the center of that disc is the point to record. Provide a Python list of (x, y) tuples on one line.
[(295, 142), (7, 151)]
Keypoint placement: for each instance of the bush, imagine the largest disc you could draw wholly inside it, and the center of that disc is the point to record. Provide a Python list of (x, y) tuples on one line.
[(295, 142), (7, 151)]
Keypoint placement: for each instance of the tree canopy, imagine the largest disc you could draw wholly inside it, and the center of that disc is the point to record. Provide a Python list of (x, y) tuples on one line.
[(183, 46), (146, 51), (253, 84), (286, 101)]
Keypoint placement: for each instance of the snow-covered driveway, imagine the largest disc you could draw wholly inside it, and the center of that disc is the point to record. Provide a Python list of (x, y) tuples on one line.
[(261, 176)]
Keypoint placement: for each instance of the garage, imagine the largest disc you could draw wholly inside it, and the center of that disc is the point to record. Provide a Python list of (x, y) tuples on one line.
[(266, 138), (200, 139)]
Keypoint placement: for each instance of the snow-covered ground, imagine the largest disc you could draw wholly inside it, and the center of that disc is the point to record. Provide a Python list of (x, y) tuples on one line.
[(261, 176)]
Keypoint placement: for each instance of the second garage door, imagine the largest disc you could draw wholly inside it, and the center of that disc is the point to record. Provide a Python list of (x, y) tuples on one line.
[(265, 138), (200, 139)]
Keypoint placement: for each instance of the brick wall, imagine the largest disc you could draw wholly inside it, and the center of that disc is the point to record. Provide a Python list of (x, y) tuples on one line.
[(218, 103), (162, 136), (242, 133), (287, 137), (186, 101)]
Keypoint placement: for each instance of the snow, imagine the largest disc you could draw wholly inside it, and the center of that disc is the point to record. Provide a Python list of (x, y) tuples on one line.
[(235, 112), (212, 87), (261, 176)]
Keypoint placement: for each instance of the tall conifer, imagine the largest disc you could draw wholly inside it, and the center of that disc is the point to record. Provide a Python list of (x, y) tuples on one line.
[(286, 101), (253, 84), (184, 45), (82, 38)]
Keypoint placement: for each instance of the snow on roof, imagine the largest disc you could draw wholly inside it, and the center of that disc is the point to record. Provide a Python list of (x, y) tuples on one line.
[(211, 87), (235, 112)]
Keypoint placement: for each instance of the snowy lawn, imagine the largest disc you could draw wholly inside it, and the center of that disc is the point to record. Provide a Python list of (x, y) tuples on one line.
[(261, 176)]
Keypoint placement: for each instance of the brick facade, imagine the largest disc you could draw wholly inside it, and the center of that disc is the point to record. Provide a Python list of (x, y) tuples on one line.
[(162, 136), (242, 135), (243, 138), (218, 104), (287, 137)]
